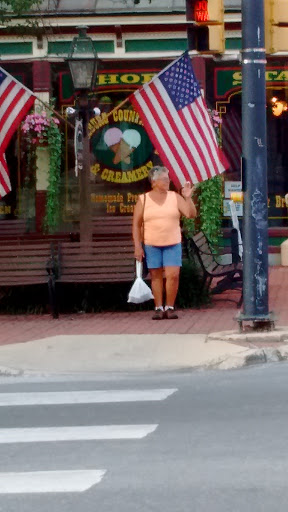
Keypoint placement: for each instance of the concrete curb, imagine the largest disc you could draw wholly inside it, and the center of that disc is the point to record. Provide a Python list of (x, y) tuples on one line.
[(249, 357), (10, 372), (257, 355), (172, 353), (279, 335), (253, 357)]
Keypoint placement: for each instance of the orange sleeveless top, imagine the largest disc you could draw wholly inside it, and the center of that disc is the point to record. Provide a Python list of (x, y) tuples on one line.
[(161, 222)]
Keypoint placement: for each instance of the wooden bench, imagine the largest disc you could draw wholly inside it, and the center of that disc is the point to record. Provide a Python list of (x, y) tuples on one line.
[(209, 261), (12, 228), (101, 262), (108, 228), (112, 226), (28, 264)]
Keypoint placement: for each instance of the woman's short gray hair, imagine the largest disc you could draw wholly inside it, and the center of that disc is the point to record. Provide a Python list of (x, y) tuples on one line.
[(156, 171)]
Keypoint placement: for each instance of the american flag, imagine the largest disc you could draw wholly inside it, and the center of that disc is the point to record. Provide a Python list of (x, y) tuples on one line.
[(15, 101), (231, 133), (176, 118)]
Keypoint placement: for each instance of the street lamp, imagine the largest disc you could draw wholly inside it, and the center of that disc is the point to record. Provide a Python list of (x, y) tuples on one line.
[(83, 60)]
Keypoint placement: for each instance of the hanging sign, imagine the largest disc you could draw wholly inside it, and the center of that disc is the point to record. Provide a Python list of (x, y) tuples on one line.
[(78, 146), (121, 146)]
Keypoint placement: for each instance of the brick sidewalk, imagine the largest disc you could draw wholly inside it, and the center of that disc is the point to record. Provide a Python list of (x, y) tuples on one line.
[(217, 317)]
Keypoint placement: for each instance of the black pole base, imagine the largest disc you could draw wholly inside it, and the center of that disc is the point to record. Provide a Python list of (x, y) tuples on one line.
[(259, 323)]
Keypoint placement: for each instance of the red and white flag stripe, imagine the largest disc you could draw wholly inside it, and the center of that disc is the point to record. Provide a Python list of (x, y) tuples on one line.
[(184, 140), (5, 184), (15, 102)]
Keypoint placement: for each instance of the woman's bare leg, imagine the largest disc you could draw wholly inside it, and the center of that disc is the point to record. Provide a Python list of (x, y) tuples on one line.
[(157, 285), (172, 284)]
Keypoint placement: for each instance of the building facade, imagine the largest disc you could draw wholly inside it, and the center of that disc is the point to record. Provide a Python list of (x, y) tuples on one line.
[(134, 40)]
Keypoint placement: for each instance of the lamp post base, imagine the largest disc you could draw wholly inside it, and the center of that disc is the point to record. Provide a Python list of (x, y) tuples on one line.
[(259, 323)]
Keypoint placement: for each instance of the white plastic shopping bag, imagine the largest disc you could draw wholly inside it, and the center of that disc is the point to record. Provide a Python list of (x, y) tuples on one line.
[(139, 292)]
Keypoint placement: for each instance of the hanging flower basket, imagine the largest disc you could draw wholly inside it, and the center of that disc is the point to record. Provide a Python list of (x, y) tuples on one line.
[(41, 130), (35, 127), (41, 144)]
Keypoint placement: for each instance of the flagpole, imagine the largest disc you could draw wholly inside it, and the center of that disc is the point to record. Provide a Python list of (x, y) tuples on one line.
[(118, 106), (127, 99)]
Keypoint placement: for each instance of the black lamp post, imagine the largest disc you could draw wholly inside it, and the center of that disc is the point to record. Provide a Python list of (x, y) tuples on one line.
[(83, 62)]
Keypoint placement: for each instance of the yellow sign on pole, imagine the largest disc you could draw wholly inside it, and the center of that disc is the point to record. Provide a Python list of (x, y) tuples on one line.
[(276, 26)]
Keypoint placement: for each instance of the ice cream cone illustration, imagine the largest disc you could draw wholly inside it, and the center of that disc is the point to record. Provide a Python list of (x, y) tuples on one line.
[(112, 138), (130, 140)]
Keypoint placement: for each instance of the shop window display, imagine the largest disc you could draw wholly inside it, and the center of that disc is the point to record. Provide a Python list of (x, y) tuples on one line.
[(277, 150), (121, 157)]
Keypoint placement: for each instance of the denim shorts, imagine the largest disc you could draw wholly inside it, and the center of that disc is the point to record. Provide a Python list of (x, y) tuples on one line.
[(160, 257)]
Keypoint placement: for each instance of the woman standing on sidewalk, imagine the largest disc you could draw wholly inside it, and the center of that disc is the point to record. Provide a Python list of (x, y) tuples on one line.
[(156, 222)]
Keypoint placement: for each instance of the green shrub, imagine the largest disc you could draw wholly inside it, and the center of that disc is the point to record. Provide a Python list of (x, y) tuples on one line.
[(191, 293)]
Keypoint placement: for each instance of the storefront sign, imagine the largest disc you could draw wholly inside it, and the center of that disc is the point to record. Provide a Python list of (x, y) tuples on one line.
[(277, 208), (279, 202), (5, 209), (126, 79), (119, 203), (232, 186), (229, 79), (227, 211), (121, 147), (123, 158)]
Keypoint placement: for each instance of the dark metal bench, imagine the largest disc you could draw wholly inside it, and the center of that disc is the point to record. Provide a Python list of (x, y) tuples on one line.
[(228, 276), (28, 264)]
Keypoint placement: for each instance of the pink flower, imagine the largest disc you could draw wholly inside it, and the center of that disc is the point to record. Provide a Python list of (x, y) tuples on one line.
[(36, 125)]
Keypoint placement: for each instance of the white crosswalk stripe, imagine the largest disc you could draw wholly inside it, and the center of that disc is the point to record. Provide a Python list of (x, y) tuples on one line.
[(49, 481), (77, 480), (105, 432), (84, 397)]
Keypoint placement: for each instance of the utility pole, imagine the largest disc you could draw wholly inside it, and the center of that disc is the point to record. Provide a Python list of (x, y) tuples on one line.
[(254, 150)]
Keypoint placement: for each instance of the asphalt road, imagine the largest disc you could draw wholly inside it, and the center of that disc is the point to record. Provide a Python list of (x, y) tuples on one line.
[(201, 441)]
